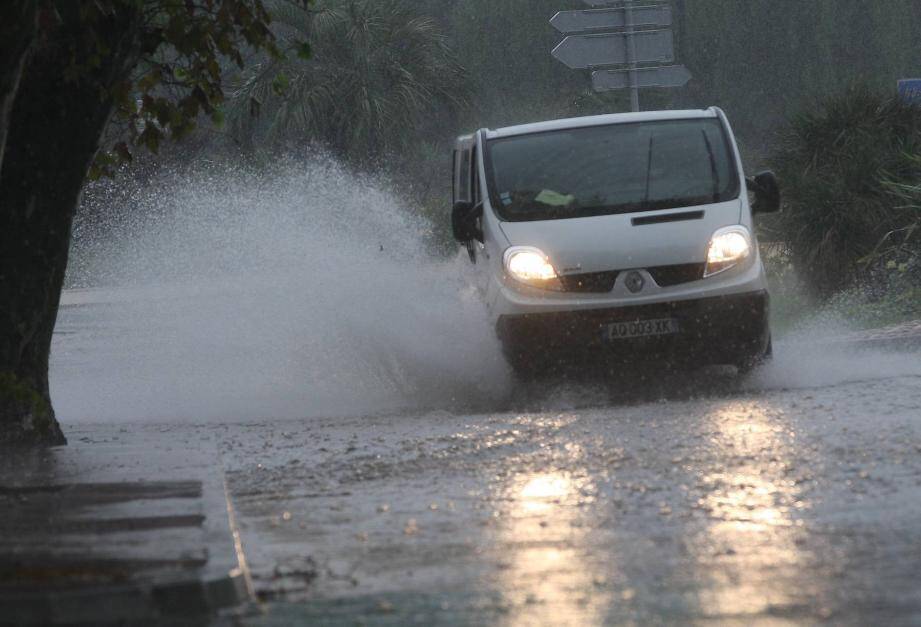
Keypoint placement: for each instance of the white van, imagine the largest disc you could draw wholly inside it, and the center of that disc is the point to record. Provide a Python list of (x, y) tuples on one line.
[(616, 237)]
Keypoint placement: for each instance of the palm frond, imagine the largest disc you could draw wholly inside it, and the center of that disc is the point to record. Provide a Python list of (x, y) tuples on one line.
[(843, 165), (378, 69)]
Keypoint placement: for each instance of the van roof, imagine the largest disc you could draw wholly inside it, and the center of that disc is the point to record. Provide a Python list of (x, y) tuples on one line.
[(600, 120)]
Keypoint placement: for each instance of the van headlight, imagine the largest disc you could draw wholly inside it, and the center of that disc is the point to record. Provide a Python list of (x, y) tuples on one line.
[(532, 267), (729, 247)]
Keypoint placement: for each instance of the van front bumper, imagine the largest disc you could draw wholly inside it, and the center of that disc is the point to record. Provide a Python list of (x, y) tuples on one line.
[(730, 329)]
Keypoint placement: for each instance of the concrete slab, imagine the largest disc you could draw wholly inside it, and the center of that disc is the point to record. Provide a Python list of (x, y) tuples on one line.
[(108, 533)]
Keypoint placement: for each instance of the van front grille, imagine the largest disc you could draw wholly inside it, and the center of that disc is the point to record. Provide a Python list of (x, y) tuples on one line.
[(590, 283), (603, 282), (667, 276)]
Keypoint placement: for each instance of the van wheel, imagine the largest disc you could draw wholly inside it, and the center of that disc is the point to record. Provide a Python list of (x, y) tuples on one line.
[(746, 365), (523, 362), (522, 366)]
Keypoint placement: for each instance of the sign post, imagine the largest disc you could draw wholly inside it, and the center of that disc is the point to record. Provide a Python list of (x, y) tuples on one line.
[(614, 41), (631, 57)]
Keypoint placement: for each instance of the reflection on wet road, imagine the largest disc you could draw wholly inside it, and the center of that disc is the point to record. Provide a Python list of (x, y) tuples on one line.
[(544, 570), (776, 507), (751, 505)]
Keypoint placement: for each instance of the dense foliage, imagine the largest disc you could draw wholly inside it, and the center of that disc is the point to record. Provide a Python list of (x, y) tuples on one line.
[(179, 73), (840, 165), (380, 71)]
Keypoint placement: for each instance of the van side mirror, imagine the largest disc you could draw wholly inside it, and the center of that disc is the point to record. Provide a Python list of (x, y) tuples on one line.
[(465, 221), (767, 192)]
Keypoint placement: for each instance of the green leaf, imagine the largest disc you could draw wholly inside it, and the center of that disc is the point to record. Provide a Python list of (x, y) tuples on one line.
[(151, 80), (281, 83), (181, 76), (123, 152), (217, 117), (150, 138)]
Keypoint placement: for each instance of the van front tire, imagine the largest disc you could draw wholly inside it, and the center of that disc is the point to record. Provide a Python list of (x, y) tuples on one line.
[(523, 363), (745, 366)]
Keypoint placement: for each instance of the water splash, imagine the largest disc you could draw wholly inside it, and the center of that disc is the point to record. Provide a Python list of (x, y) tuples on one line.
[(802, 363), (235, 296)]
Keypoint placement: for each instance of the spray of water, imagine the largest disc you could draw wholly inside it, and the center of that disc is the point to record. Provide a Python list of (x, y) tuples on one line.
[(815, 354), (234, 296), (231, 295)]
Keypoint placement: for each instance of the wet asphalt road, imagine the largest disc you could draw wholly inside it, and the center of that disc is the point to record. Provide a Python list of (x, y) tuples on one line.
[(738, 506)]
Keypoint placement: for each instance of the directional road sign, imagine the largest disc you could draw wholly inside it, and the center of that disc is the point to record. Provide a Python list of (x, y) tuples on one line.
[(598, 19), (667, 76), (579, 52)]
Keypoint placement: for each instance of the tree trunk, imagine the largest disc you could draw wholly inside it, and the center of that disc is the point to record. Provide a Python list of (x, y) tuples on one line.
[(17, 29), (55, 128)]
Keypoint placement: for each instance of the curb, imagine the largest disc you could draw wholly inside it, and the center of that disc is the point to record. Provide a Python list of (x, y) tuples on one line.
[(113, 534)]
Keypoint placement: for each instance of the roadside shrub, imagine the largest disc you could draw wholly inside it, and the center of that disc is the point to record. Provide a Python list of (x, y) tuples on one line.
[(842, 166), (903, 245)]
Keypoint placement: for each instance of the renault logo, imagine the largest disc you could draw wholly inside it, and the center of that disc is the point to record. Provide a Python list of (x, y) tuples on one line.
[(635, 282)]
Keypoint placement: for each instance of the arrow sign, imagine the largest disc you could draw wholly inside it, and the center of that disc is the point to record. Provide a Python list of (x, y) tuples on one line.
[(668, 76), (579, 52), (598, 19)]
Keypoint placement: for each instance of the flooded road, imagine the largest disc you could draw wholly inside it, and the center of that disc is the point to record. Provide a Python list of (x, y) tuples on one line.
[(386, 470), (742, 506)]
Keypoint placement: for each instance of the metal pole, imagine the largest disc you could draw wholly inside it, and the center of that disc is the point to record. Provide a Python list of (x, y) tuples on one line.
[(631, 57)]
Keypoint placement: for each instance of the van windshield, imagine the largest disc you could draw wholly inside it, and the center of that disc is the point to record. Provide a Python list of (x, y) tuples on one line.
[(620, 168)]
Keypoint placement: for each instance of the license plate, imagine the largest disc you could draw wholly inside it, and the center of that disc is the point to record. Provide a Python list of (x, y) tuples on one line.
[(640, 328)]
